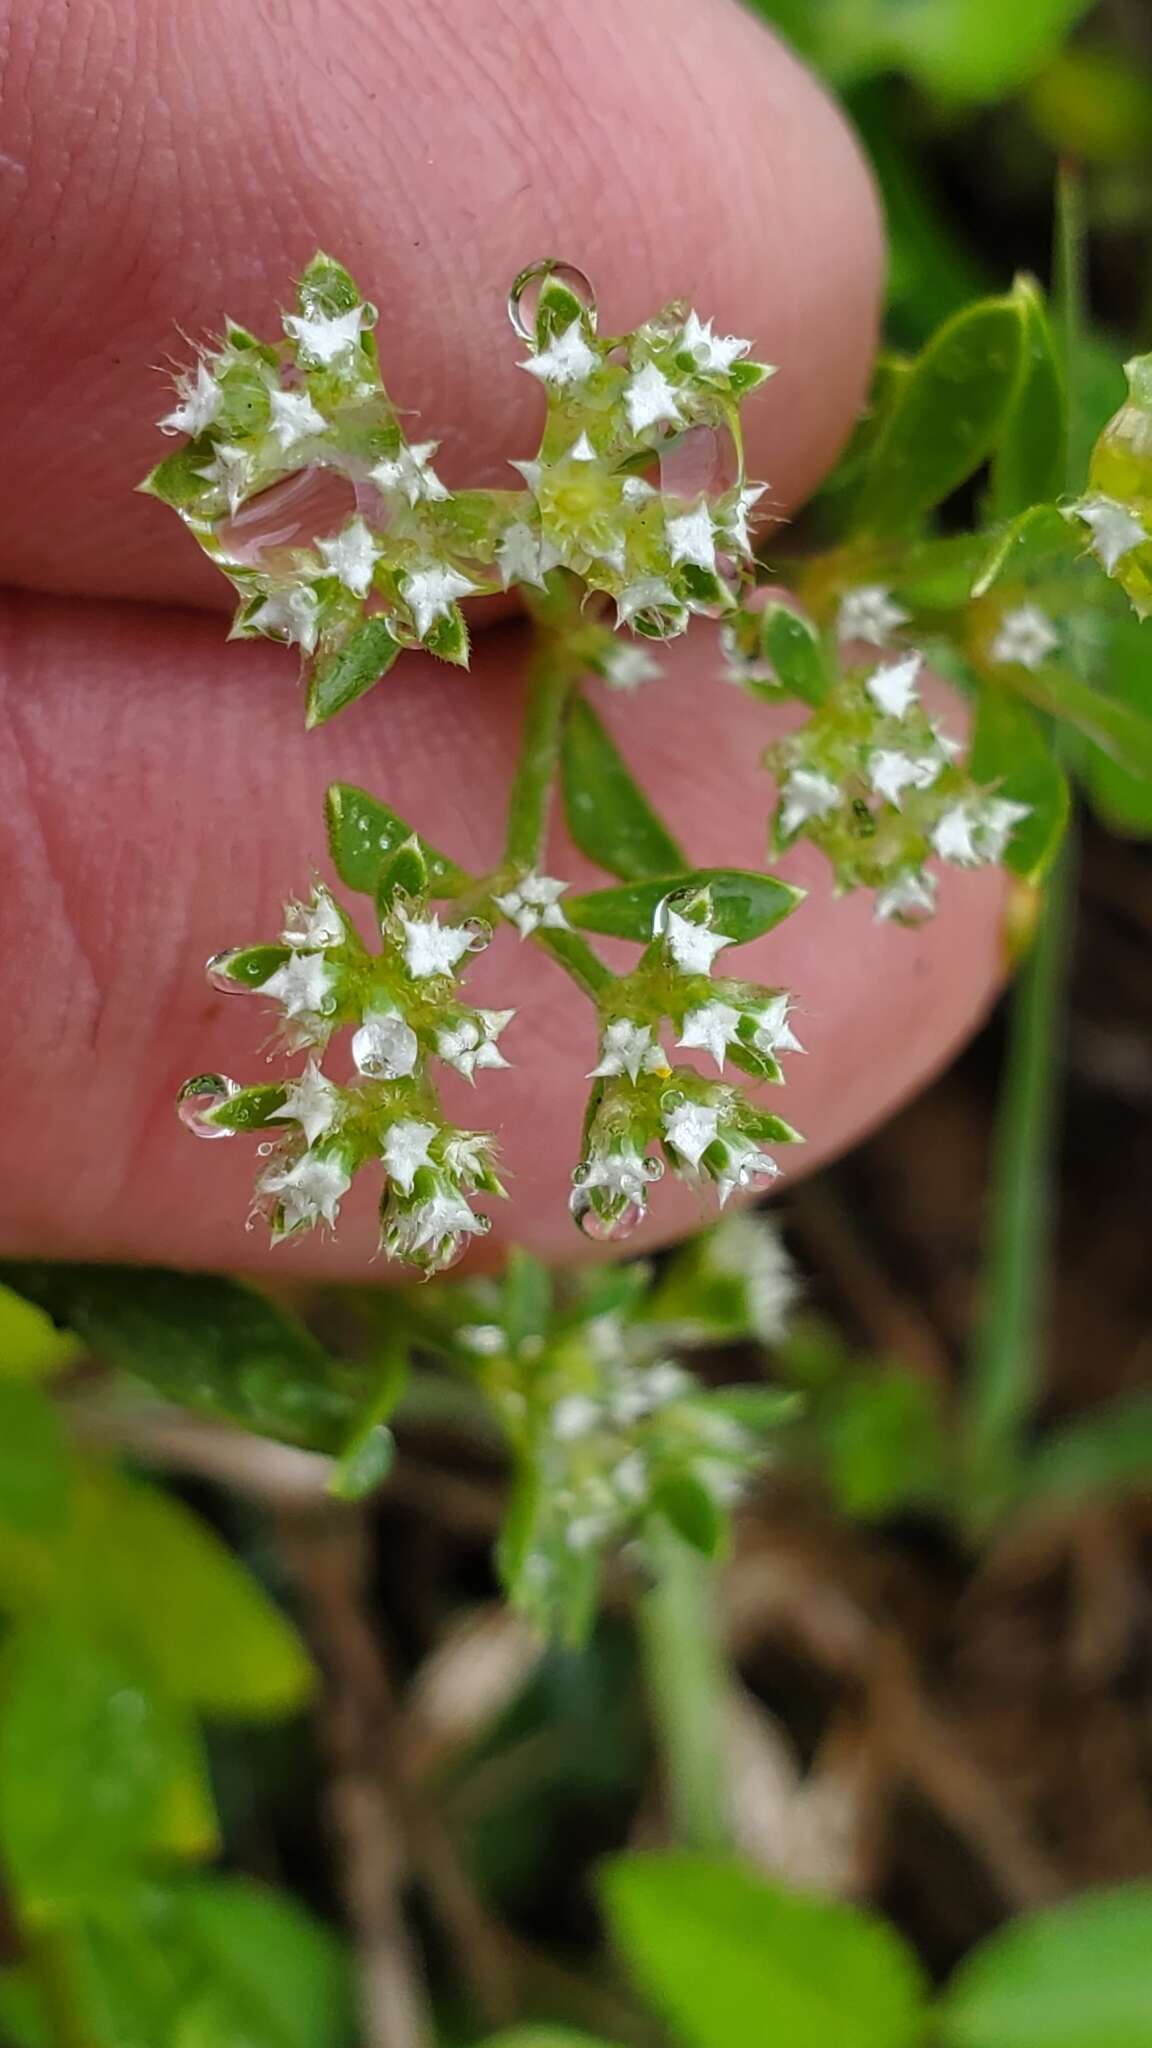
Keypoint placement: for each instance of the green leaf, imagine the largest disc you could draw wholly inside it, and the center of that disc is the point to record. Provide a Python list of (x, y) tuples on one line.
[(608, 816), (363, 833), (546, 2037), (84, 1759), (1029, 463), (336, 680), (692, 1512), (1040, 538), (527, 1298), (1108, 1453), (958, 49), (881, 1442), (731, 1961), (273, 1976), (792, 645), (1122, 798), (1116, 727), (1011, 751), (947, 417), (30, 1345), (35, 1471), (1075, 1976), (250, 966), (404, 873), (746, 904), (203, 1341)]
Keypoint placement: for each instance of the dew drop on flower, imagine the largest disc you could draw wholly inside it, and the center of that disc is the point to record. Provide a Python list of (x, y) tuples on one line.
[(385, 1048), (312, 505), (609, 1229), (701, 461), (479, 932), (524, 297), (675, 900), (201, 1094), (216, 970)]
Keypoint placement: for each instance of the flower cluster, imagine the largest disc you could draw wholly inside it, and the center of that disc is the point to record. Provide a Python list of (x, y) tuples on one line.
[(705, 1130), (403, 1010)]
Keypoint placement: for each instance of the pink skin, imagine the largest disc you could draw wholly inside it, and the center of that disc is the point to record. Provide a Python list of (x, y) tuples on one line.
[(158, 797)]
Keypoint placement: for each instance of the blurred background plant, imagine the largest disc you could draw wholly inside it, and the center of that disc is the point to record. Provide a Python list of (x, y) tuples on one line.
[(867, 1762)]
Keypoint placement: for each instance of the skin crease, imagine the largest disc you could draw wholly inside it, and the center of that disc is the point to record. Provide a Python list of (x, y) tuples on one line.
[(161, 164)]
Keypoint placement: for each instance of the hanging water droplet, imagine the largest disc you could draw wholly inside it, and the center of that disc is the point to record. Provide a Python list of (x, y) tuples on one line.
[(652, 1169), (524, 297), (675, 900), (758, 1172), (265, 1150), (217, 972), (309, 506), (479, 932), (672, 1100), (202, 1093), (703, 461), (385, 1048), (610, 1229)]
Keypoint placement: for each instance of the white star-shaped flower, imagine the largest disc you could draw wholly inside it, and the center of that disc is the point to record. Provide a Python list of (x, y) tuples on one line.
[(432, 592), (745, 1167), (228, 470), (580, 451), (623, 1175), (693, 946), (200, 399), (437, 1226), (909, 896), (566, 362), (806, 795), (307, 1192), (534, 901), (648, 593), (692, 536), (954, 835), (405, 1150), (385, 1048), (998, 820), (972, 833), (315, 924), (323, 338), (289, 615), (302, 984), (312, 1102), (468, 1158), (892, 687), (352, 556), (711, 351), (690, 1128), (735, 521), (472, 1042), (1115, 530), (649, 399), (411, 473), (891, 773), (519, 555), (869, 613), (294, 418), (635, 490), (773, 1032), (625, 666), (432, 948), (628, 1048), (1026, 636), (713, 1027)]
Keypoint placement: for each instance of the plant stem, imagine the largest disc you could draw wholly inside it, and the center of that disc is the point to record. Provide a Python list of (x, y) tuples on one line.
[(53, 1966), (687, 1681), (550, 681)]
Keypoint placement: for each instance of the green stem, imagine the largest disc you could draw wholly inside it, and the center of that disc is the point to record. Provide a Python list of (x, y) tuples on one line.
[(53, 1966), (688, 1690), (550, 682)]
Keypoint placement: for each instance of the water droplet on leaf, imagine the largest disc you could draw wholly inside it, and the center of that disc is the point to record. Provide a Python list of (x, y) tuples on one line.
[(524, 297), (202, 1093)]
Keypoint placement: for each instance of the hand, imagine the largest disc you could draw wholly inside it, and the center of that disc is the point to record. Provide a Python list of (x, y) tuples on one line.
[(164, 163)]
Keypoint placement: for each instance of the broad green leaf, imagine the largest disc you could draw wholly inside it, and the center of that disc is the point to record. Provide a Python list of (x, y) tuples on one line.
[(1116, 727), (731, 1961), (1028, 467), (31, 1347), (936, 574), (85, 1756), (745, 904), (792, 645), (1011, 751), (337, 680), (692, 1512), (947, 418), (363, 833), (273, 1977), (1075, 1976), (1107, 1453), (201, 1340), (35, 1471), (1040, 538), (880, 1441), (1122, 798), (608, 816)]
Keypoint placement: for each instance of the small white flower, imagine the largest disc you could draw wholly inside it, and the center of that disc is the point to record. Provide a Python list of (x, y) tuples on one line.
[(649, 399), (690, 1129), (307, 1192), (385, 1047), (630, 1478), (472, 1042), (566, 362), (692, 537), (289, 615), (294, 418), (626, 666), (910, 896), (711, 351), (468, 1158), (623, 1175), (693, 946), (484, 1340), (954, 835), (892, 687), (806, 795), (869, 613), (534, 901), (891, 773), (649, 593), (405, 1150), (735, 522), (312, 1102), (713, 1027), (1026, 636), (432, 592), (1115, 530), (580, 451), (971, 833), (437, 1226), (315, 924), (744, 1167), (999, 818), (432, 948), (352, 556), (200, 399), (323, 338), (228, 470), (411, 473), (636, 491), (628, 1048), (302, 984), (575, 1416), (524, 555), (773, 1032)]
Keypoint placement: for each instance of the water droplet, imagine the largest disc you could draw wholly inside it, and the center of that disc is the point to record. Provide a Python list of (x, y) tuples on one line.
[(479, 932), (653, 1169), (294, 513), (675, 900), (672, 1099), (524, 297), (201, 1094), (759, 1172), (385, 1048), (701, 461), (610, 1229), (266, 1149)]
